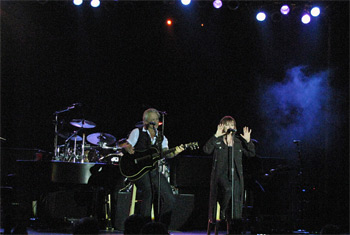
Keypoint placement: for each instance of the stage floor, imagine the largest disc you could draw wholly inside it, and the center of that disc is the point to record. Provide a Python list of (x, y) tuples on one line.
[(33, 231), (198, 232)]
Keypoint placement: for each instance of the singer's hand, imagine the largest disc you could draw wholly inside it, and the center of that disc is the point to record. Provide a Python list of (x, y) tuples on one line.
[(246, 134), (220, 130)]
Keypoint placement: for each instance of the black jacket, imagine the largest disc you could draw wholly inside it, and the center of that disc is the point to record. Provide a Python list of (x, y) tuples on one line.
[(222, 160)]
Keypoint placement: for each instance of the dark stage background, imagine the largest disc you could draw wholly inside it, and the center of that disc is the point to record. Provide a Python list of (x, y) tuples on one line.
[(285, 80)]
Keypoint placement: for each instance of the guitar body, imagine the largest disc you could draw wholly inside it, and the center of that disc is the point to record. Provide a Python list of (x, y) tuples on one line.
[(134, 166)]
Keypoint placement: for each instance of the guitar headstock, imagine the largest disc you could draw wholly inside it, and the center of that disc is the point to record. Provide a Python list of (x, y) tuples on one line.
[(192, 146)]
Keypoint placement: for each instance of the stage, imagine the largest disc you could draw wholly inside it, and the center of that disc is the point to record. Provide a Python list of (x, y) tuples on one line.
[(77, 77)]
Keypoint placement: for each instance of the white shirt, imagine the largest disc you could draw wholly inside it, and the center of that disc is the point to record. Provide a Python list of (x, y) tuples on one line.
[(134, 136)]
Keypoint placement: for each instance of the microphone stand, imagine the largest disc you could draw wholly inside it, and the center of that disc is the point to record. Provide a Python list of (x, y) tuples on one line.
[(161, 136), (56, 128), (229, 224)]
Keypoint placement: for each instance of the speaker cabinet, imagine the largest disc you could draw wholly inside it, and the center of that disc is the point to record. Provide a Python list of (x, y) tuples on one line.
[(184, 208), (122, 202)]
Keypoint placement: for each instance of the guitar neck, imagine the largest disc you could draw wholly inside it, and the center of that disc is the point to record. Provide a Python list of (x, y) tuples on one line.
[(166, 152)]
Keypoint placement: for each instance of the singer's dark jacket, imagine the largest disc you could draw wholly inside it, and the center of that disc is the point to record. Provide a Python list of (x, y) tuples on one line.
[(222, 165)]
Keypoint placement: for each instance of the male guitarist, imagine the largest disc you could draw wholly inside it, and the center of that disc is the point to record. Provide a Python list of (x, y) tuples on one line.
[(144, 138)]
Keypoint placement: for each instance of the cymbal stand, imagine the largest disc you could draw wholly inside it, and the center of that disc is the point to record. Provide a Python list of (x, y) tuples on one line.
[(56, 128), (75, 133), (83, 148), (75, 146), (56, 137)]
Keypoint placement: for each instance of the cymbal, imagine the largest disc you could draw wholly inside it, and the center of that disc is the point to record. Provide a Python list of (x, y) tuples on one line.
[(99, 137), (65, 135), (82, 123), (140, 124)]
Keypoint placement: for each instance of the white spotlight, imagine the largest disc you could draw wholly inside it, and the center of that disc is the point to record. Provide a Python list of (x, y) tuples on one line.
[(95, 3), (77, 2), (185, 2), (306, 19), (261, 16), (315, 11)]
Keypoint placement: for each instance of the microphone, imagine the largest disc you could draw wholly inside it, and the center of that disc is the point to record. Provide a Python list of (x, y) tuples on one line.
[(152, 123), (296, 141), (77, 104), (231, 130)]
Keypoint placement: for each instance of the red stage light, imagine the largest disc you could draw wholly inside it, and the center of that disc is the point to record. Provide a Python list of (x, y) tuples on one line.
[(169, 22)]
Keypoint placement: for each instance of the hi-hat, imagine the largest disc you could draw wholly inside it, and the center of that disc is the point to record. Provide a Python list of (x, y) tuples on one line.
[(82, 123), (66, 135), (100, 138)]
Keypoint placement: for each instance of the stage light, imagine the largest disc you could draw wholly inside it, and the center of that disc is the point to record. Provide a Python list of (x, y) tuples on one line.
[(285, 9), (305, 18), (315, 11), (261, 16), (217, 4), (169, 22), (95, 3), (185, 2), (77, 2)]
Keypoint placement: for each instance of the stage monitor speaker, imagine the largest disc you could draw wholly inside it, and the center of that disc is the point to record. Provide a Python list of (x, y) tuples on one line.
[(66, 204), (122, 202), (184, 208)]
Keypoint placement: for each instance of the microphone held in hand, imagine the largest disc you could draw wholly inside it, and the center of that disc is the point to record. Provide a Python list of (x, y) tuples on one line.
[(231, 131), (152, 123)]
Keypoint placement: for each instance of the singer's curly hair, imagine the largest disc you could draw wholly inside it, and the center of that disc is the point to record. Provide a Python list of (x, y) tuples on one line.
[(227, 119), (150, 110)]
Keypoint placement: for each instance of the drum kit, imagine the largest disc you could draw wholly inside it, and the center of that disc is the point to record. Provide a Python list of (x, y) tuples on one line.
[(95, 147)]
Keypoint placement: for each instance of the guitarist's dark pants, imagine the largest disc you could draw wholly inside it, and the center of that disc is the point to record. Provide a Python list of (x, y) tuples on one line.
[(145, 184)]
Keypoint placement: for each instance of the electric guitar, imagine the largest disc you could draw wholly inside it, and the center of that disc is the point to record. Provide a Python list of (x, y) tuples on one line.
[(134, 166)]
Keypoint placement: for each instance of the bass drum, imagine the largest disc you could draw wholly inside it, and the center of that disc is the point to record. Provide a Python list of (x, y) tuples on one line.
[(93, 155)]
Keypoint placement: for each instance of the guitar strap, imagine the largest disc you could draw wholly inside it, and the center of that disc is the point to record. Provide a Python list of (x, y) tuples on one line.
[(159, 140)]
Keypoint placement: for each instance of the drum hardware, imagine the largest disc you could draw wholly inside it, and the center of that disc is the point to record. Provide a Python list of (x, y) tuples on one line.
[(101, 139), (82, 124), (75, 153), (56, 125), (66, 135), (104, 146), (112, 158)]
